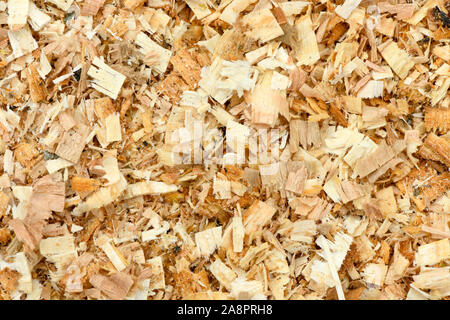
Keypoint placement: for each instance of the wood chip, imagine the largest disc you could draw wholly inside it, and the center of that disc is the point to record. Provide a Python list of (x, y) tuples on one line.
[(106, 80), (397, 59), (433, 253), (159, 56), (307, 52), (262, 24), (17, 13), (208, 240)]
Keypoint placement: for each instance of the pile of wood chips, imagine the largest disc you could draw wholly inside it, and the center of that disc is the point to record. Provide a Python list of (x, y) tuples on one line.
[(352, 204)]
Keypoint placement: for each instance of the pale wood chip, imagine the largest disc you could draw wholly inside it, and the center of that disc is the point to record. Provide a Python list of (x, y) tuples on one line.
[(433, 253), (115, 287), (62, 4), (307, 51), (72, 143), (397, 59), (374, 274), (346, 8), (262, 24), (257, 216), (200, 8), (296, 180), (208, 240), (17, 13), (112, 253), (106, 80), (22, 42), (222, 273), (161, 56), (238, 234), (231, 12)]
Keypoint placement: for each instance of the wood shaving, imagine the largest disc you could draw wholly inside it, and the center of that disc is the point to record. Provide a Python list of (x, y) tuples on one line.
[(236, 149)]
